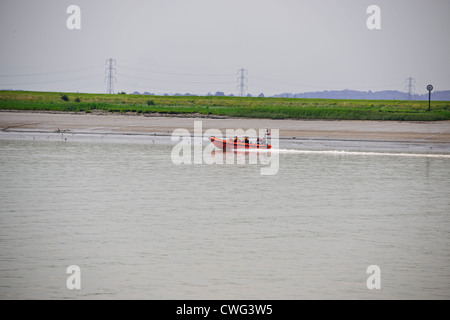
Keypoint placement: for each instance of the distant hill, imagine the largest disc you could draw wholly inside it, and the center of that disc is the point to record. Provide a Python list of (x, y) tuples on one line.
[(327, 94), (367, 95)]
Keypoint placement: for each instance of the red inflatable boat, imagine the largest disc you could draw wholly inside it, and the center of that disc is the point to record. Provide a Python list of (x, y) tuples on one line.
[(230, 144)]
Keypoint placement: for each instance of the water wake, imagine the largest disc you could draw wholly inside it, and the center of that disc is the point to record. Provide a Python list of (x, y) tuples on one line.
[(360, 153)]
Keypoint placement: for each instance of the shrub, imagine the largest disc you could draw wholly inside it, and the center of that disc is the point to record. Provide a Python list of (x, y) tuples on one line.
[(64, 97), (150, 103), (77, 99)]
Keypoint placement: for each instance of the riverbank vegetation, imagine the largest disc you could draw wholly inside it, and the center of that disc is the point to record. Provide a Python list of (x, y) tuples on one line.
[(223, 106)]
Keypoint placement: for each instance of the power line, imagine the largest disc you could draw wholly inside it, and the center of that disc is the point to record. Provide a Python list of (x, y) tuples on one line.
[(44, 73), (44, 82), (257, 78), (175, 81), (177, 73), (110, 71)]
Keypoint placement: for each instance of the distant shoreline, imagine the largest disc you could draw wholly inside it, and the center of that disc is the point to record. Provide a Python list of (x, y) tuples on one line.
[(222, 107), (351, 130)]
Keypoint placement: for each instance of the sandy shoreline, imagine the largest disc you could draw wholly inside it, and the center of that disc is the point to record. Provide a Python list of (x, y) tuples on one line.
[(299, 129)]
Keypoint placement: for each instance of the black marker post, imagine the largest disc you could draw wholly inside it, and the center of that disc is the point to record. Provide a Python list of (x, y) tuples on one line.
[(429, 88)]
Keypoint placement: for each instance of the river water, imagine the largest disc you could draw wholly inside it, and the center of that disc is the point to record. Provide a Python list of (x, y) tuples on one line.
[(141, 227)]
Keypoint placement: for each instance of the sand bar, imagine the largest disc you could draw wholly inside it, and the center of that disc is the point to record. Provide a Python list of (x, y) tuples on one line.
[(104, 123)]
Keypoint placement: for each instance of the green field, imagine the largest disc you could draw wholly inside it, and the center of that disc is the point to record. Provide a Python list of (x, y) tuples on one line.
[(271, 108)]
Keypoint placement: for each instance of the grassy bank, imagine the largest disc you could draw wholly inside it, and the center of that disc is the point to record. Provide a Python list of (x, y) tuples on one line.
[(273, 108)]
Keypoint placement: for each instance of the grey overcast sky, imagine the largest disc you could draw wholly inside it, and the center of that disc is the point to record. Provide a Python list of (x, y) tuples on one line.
[(197, 46)]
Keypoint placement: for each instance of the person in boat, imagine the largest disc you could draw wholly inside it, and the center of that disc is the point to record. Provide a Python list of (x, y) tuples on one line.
[(264, 139), (245, 140), (235, 139)]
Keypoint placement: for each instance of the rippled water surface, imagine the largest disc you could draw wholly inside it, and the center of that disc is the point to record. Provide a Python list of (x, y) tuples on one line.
[(139, 226)]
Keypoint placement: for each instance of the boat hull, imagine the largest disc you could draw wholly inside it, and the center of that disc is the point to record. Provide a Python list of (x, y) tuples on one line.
[(229, 144)]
